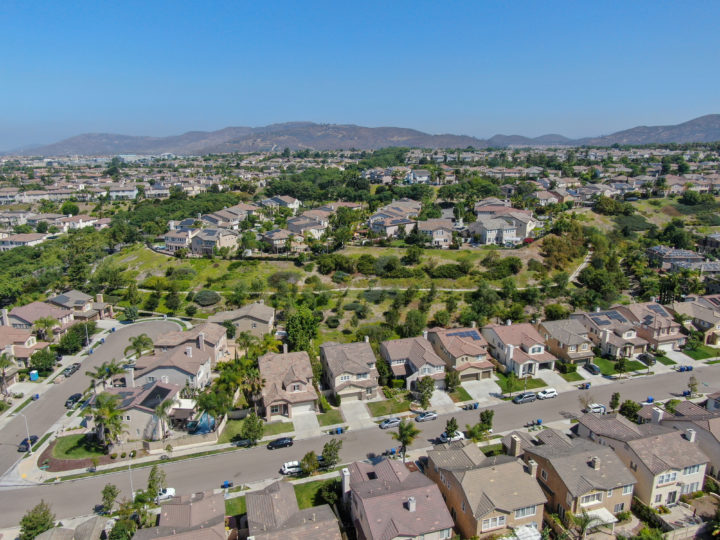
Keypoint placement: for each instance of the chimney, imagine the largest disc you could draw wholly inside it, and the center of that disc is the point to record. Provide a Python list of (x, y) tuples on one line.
[(509, 352), (595, 463), (188, 351), (99, 298), (130, 377), (201, 341), (690, 434), (657, 415), (515, 445), (424, 334), (508, 322), (473, 324), (532, 468), (367, 339), (5, 318), (605, 336), (411, 504), (345, 481), (285, 348)]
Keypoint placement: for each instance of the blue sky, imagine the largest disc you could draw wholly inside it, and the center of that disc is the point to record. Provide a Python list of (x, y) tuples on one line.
[(477, 68)]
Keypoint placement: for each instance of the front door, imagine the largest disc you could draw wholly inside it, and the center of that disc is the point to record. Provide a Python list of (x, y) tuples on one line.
[(671, 497)]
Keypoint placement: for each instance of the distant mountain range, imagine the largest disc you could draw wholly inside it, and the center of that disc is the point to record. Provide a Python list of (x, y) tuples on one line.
[(308, 135)]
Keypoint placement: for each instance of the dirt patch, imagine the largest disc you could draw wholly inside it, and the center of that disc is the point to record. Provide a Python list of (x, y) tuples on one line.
[(671, 211), (706, 506)]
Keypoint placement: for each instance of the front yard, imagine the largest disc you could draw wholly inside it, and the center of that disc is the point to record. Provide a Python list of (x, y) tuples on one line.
[(77, 447), (702, 352), (330, 418), (235, 506), (572, 377), (608, 367), (520, 385), (308, 493), (233, 428), (460, 394), (388, 406)]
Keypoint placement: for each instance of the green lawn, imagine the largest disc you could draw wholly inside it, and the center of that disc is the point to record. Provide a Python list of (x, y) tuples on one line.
[(76, 447), (276, 428), (702, 352), (235, 506), (664, 360), (492, 449), (635, 365), (522, 384), (572, 377), (460, 394), (332, 417), (388, 406), (607, 367), (234, 427), (308, 495)]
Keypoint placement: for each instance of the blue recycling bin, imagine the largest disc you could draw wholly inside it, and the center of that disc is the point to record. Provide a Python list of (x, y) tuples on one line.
[(539, 421), (476, 405), (690, 368), (34, 375), (102, 340), (339, 430), (112, 329), (686, 393), (650, 399), (392, 451), (36, 397)]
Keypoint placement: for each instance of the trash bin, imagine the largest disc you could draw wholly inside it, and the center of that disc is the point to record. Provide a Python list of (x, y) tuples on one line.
[(476, 405), (539, 421), (90, 351), (102, 340), (34, 375), (339, 430), (36, 397), (650, 399), (690, 368)]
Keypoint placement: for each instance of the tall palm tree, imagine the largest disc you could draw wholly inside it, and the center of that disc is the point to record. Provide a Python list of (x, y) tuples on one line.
[(253, 382), (5, 362), (268, 344), (405, 435), (245, 340), (139, 344), (162, 411), (107, 417), (43, 325), (585, 523), (103, 372)]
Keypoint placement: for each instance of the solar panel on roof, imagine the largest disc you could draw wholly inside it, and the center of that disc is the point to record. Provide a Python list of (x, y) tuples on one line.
[(657, 308), (472, 334)]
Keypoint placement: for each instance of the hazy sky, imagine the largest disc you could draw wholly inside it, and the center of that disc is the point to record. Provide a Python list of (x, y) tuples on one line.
[(477, 67)]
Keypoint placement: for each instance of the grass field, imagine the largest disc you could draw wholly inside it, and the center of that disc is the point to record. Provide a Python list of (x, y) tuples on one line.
[(460, 394), (235, 506), (664, 360), (330, 418), (276, 428), (572, 377), (308, 493), (702, 352), (76, 447), (234, 427), (388, 406)]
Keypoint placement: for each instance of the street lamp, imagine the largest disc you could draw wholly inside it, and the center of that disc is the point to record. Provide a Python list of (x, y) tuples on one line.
[(27, 430), (132, 490)]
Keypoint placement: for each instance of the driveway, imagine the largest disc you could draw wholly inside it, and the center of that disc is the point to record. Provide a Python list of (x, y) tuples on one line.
[(485, 391), (554, 380), (356, 414), (680, 358), (441, 402), (306, 425)]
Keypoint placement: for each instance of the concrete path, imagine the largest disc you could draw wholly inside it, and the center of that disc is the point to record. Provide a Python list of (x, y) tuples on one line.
[(306, 425), (441, 402), (356, 414)]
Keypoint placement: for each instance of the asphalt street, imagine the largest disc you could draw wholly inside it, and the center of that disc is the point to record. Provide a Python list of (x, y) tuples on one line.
[(79, 497), (44, 413)]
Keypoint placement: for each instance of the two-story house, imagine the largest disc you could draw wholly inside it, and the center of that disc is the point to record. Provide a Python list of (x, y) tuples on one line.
[(199, 515), (350, 370), (493, 230), (304, 225), (613, 333), (464, 350), (137, 405), (19, 344), (665, 256), (281, 240), (487, 496), (705, 422), (519, 347), (288, 386), (704, 314), (257, 318), (207, 241), (25, 316), (388, 501), (207, 335), (655, 324), (83, 306), (412, 359), (438, 231), (568, 340), (666, 462), (183, 366), (178, 239)]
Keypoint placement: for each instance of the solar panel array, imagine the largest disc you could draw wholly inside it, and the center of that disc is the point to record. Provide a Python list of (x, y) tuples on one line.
[(472, 334), (657, 308)]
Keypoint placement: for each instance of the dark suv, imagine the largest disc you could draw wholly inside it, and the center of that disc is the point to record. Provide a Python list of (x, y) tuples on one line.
[(647, 359), (592, 368), (25, 445), (525, 397), (280, 443), (72, 400)]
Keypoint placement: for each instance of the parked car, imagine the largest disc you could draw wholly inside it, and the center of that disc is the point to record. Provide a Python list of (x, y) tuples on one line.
[(547, 393), (165, 493), (71, 369), (291, 468), (243, 443), (647, 359), (592, 368), (25, 445), (525, 397), (282, 442), (457, 436), (390, 423), (72, 400), (597, 408), (426, 416)]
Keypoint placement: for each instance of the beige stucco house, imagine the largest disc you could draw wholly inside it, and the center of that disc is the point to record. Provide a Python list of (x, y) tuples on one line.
[(464, 350), (350, 370)]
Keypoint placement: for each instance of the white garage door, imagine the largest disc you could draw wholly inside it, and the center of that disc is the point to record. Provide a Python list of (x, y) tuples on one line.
[(355, 396), (440, 385), (666, 347), (303, 407)]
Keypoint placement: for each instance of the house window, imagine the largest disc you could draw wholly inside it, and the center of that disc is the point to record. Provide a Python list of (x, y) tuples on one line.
[(610, 492), (369, 391), (493, 523), (544, 474), (584, 347), (344, 377), (362, 376), (572, 348), (295, 387), (151, 379), (524, 512), (127, 417), (691, 470), (254, 325), (371, 365), (658, 498), (690, 488), (446, 534), (627, 490), (536, 350), (618, 508), (593, 498), (667, 478), (275, 409)]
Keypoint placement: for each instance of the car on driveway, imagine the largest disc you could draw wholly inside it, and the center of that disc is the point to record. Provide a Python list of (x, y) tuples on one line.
[(165, 493), (390, 423), (72, 368), (24, 445), (597, 408), (525, 397), (72, 400), (290, 468), (547, 393), (592, 368), (282, 442), (426, 416), (457, 436), (647, 359)]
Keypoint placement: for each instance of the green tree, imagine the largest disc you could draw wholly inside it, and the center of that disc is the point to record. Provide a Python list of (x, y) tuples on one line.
[(329, 491), (37, 520), (452, 380), (451, 426), (331, 452), (124, 529), (252, 428), (5, 363), (486, 419), (70, 208), (425, 388), (44, 325), (216, 403), (585, 523), (511, 383), (162, 412), (156, 481), (172, 301), (191, 310), (301, 329), (253, 384), (245, 340), (107, 417), (556, 312), (109, 495), (405, 435), (692, 385), (44, 361), (614, 400), (414, 324), (309, 463), (132, 295), (629, 409), (139, 345), (131, 313)]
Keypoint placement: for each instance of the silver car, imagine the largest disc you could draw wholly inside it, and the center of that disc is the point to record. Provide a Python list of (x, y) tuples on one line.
[(390, 423), (426, 416)]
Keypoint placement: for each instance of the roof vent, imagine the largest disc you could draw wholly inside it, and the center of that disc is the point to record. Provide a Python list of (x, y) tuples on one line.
[(411, 504), (595, 462)]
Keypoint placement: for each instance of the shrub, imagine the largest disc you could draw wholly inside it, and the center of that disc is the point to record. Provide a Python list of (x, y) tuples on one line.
[(324, 405), (332, 322), (113, 456), (623, 516), (123, 454), (398, 384), (207, 297), (133, 453), (564, 367), (341, 277), (191, 310)]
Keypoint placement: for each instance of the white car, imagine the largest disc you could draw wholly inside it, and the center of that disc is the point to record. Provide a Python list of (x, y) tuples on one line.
[(547, 393), (597, 408), (458, 436), (291, 468), (165, 493)]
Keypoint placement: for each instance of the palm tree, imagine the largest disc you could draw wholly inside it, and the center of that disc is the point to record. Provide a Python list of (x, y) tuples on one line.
[(585, 523), (107, 417), (103, 372), (405, 435), (245, 340), (162, 411), (253, 382), (5, 362), (268, 344), (44, 324), (139, 344)]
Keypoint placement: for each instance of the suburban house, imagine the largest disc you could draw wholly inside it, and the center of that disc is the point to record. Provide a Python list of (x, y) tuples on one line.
[(705, 422), (25, 316), (438, 230), (412, 359), (666, 462), (665, 256), (23, 239), (522, 219), (182, 366), (288, 386), (200, 515), (568, 340), (518, 347), (257, 318), (487, 496), (655, 324), (463, 350), (138, 407), (392, 227), (83, 306), (281, 201), (350, 370), (493, 230), (580, 475), (19, 344), (157, 191), (90, 529), (230, 218), (280, 240), (418, 176), (612, 332), (704, 314), (179, 239), (273, 512), (544, 198), (203, 336), (303, 225), (388, 501), (207, 241), (391, 218)]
